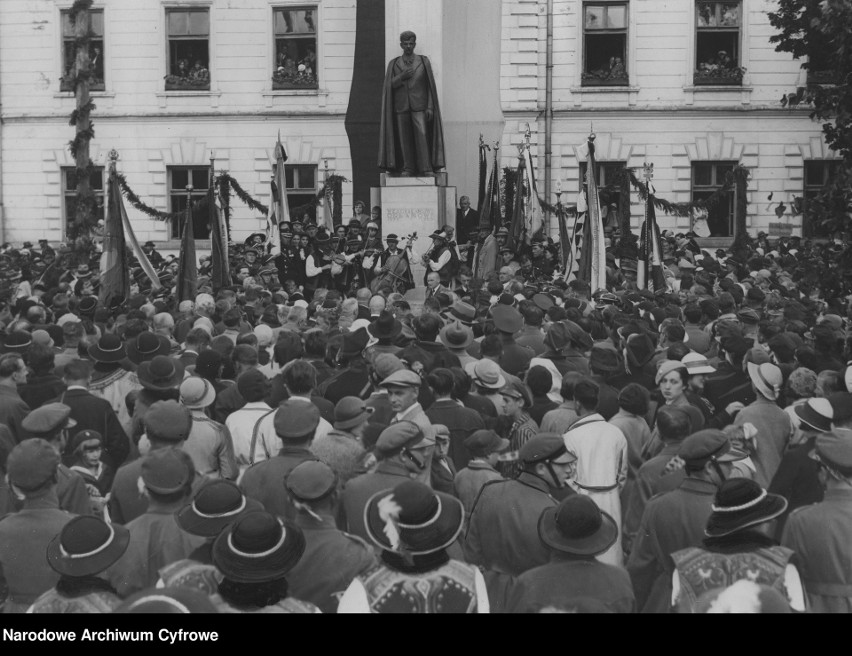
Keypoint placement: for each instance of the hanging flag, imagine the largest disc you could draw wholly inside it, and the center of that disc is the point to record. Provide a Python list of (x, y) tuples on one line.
[(278, 209), (483, 173), (535, 215), (221, 274), (327, 219), (649, 273), (187, 279), (568, 246), (593, 251), (118, 235), (489, 217), (516, 230)]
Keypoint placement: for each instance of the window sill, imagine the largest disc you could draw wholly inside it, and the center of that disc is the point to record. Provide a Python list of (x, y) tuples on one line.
[(269, 95), (188, 93), (93, 94), (717, 87), (604, 89)]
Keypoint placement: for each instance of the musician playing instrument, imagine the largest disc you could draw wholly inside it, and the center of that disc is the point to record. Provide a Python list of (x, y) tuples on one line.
[(372, 249), (350, 278), (393, 270), (318, 265), (441, 258)]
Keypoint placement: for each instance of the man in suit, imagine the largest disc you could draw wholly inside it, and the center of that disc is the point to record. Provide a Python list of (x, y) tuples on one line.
[(94, 413), (467, 225)]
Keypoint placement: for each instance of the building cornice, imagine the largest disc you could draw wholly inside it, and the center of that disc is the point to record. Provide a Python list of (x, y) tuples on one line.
[(62, 117), (653, 112)]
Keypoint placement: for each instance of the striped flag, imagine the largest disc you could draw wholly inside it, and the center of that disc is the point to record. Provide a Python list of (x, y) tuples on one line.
[(516, 230), (278, 209), (327, 220), (568, 246), (489, 216), (118, 235), (535, 220), (649, 274), (221, 275), (593, 250)]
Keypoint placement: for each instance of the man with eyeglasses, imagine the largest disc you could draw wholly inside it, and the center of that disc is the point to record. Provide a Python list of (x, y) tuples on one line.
[(51, 422), (676, 520)]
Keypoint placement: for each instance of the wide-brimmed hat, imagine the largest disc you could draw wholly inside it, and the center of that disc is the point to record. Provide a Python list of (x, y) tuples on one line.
[(197, 393), (740, 503), (834, 450), (815, 414), (161, 373), (767, 378), (258, 547), (216, 505), (487, 374), (413, 519), (640, 350), (355, 342), (86, 546), (385, 326), (147, 346), (109, 349), (455, 335), (351, 411), (577, 526)]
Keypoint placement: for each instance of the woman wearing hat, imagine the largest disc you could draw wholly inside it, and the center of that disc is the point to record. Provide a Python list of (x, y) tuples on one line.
[(672, 380), (737, 547), (414, 526), (86, 547), (576, 532), (254, 555)]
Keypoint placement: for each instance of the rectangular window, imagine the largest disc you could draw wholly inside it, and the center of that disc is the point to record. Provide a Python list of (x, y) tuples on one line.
[(96, 51), (69, 193), (707, 177), (295, 31), (179, 178), (717, 43), (818, 173), (188, 49), (610, 179), (301, 191), (605, 44)]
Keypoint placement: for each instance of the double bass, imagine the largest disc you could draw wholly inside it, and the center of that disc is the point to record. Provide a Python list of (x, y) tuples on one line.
[(395, 275)]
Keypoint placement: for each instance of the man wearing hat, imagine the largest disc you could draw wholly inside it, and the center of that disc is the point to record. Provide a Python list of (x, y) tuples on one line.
[(532, 335), (730, 382), (484, 448), (13, 409), (167, 425), (457, 337), (576, 532), (93, 413), (51, 423), (442, 259), (773, 425), (209, 443), (110, 380), (332, 557), (404, 271), (156, 538), (426, 349), (502, 527), (295, 423), (737, 547), (386, 328), (400, 458), (676, 519), (342, 448), (820, 534), (601, 451), (403, 390), (24, 536), (515, 359), (353, 379), (517, 400), (154, 257)]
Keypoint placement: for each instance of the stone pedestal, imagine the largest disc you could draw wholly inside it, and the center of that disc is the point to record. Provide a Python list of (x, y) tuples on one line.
[(412, 205)]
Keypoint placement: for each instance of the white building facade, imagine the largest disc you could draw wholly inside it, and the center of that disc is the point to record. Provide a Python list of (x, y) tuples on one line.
[(178, 82)]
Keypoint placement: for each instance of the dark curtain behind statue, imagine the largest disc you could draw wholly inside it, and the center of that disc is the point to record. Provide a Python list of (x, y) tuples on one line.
[(365, 98)]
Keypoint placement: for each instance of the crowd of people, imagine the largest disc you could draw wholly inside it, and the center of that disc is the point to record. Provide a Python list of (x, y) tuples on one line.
[(305, 440)]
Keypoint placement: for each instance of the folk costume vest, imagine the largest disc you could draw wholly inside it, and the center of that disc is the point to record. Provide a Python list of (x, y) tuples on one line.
[(700, 571), (449, 589)]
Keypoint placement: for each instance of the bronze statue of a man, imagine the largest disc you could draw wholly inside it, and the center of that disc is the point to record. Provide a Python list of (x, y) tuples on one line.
[(411, 140)]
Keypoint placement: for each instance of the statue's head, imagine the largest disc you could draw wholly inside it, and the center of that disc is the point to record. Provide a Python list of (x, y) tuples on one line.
[(408, 40)]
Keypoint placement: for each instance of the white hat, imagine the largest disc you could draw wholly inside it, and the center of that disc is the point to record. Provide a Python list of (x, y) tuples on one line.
[(697, 364), (300, 303)]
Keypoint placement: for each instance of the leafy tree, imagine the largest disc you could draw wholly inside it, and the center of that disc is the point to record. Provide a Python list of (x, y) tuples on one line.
[(818, 31)]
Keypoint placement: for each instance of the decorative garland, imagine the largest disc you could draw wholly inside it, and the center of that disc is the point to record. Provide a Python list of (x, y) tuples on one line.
[(225, 182)]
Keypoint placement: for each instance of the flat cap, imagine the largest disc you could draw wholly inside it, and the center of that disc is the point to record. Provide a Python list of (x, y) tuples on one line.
[(706, 445), (31, 464), (295, 420), (402, 378), (747, 315), (398, 436), (517, 390), (168, 420), (545, 447), (835, 451), (311, 480), (507, 319), (47, 419), (482, 443)]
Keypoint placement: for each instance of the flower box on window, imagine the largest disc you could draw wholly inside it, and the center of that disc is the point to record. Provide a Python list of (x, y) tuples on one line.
[(718, 76), (288, 80), (605, 80), (177, 83)]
